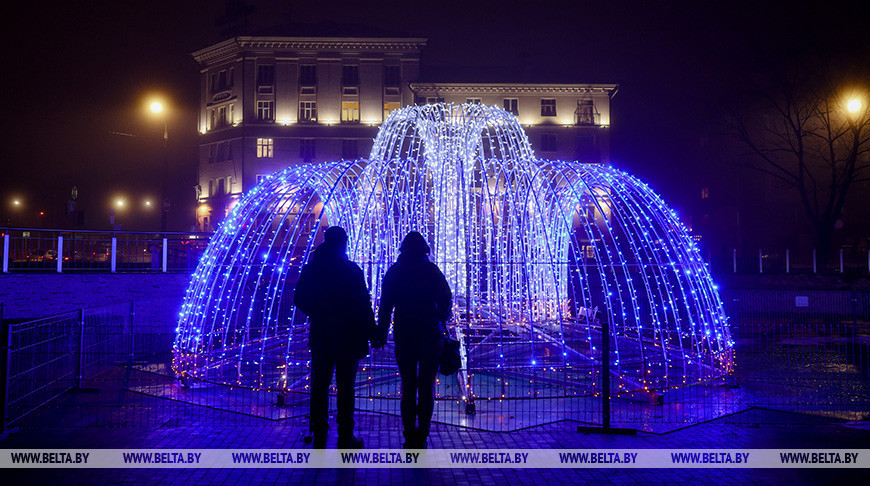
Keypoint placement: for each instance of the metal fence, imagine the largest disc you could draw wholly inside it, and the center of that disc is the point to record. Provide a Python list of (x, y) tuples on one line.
[(806, 352), (29, 250), (52, 356), (851, 260)]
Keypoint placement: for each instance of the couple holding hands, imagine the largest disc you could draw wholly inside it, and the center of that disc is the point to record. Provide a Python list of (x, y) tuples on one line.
[(332, 292)]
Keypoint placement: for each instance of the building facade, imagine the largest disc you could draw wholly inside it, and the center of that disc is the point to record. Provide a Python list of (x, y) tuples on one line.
[(272, 102)]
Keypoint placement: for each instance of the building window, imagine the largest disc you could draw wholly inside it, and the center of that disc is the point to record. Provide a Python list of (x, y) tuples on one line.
[(221, 152), (392, 76), (307, 150), (349, 111), (431, 100), (266, 110), (308, 79), (349, 149), (548, 107), (705, 192), (350, 79), (212, 120), (548, 142), (265, 147), (472, 101), (231, 118), (390, 107), (212, 153), (511, 106), (585, 113), (261, 177), (211, 188), (222, 187), (308, 111), (222, 81), (265, 75), (222, 116), (392, 80)]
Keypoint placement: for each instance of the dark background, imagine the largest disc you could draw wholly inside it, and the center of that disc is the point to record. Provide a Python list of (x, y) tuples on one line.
[(77, 76)]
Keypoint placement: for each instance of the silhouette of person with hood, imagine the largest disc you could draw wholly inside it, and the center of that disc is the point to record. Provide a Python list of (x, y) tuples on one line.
[(332, 292), (418, 292)]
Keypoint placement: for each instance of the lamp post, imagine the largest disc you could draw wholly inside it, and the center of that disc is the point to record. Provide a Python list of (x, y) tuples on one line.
[(158, 109)]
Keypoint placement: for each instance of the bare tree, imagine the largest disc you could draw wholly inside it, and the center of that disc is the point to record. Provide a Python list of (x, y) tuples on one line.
[(812, 134)]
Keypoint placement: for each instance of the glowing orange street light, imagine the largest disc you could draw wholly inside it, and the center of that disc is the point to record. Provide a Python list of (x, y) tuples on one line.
[(854, 105)]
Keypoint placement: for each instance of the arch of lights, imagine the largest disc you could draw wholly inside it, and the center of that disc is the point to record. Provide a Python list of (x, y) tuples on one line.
[(542, 257)]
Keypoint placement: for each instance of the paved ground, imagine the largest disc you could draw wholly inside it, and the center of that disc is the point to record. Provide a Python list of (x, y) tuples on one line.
[(196, 427)]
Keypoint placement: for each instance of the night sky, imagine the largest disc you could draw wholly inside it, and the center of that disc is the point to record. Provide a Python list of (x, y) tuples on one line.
[(77, 75)]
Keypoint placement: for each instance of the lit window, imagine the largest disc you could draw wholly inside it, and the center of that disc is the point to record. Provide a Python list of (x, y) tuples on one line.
[(548, 107), (705, 192), (349, 149), (590, 252), (265, 148), (473, 101), (265, 110), (307, 150), (390, 107), (350, 111), (548, 142), (308, 111), (510, 106)]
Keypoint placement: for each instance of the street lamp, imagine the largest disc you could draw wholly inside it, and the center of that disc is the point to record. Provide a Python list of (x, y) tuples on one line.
[(854, 105), (157, 108)]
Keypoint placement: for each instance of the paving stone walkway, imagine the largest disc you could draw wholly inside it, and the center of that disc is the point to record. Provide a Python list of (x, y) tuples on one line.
[(195, 427)]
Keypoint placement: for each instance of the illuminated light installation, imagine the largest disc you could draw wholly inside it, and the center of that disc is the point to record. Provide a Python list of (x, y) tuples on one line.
[(541, 256)]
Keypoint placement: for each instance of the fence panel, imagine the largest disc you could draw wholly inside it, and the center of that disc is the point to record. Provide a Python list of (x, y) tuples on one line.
[(68, 352)]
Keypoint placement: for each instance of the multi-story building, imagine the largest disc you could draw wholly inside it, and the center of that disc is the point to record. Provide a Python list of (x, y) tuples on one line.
[(271, 102)]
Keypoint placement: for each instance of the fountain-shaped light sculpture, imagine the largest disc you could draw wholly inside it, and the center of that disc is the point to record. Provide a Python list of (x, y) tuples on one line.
[(542, 257)]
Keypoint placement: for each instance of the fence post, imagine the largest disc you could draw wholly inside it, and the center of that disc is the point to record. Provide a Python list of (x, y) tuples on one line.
[(6, 253), (132, 332), (841, 260), (80, 367), (787, 261), (605, 371), (60, 254), (165, 253), (815, 269), (760, 263), (114, 253), (5, 361), (734, 259)]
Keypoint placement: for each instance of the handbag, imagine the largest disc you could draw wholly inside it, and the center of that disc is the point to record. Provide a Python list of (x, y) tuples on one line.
[(450, 359)]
